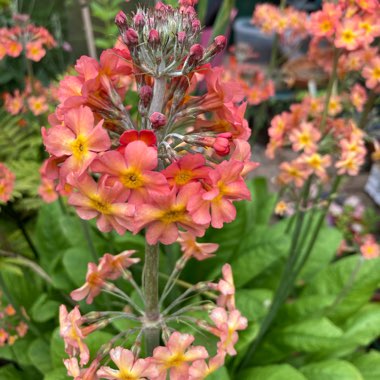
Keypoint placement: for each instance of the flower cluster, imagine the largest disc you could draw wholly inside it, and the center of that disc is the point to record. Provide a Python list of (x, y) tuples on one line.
[(179, 358), (182, 163), (7, 180), (271, 19), (300, 129), (25, 37), (11, 326), (35, 98), (256, 86)]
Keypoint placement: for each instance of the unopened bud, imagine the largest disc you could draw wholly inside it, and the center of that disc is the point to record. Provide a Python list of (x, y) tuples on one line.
[(154, 37), (158, 120), (196, 25), (146, 94), (196, 54), (220, 43), (160, 6), (130, 37), (139, 20), (181, 37), (121, 20), (222, 144)]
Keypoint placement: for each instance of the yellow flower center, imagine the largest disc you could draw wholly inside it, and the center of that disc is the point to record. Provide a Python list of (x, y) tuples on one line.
[(132, 179), (315, 161), (175, 361), (376, 73), (99, 205), (348, 36), (183, 177), (305, 139), (326, 26), (79, 147), (173, 215), (127, 375)]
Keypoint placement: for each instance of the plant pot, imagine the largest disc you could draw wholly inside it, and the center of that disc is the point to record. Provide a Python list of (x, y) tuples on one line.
[(248, 34)]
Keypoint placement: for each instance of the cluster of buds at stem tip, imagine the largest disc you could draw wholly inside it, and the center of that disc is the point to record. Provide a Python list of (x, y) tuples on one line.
[(164, 40)]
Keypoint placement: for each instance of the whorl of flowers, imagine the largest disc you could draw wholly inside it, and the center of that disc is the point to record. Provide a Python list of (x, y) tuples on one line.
[(25, 37), (7, 180), (181, 162), (179, 358)]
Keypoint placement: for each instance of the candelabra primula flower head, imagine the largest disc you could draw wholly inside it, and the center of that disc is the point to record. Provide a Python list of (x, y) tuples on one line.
[(7, 181)]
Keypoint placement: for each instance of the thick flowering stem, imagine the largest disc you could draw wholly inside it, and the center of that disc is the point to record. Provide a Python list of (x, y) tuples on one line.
[(150, 290)]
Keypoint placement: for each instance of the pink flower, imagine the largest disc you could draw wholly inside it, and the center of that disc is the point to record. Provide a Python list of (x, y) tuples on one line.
[(293, 172), (242, 152), (176, 356), (35, 51), (370, 249), (200, 369), (226, 288), (371, 73), (78, 140), (72, 335), (37, 104), (128, 366), (134, 171), (47, 190), (305, 138), (227, 325), (147, 136), (189, 168), (112, 266), (358, 97), (94, 283), (166, 213), (190, 247), (225, 186), (106, 203), (7, 180)]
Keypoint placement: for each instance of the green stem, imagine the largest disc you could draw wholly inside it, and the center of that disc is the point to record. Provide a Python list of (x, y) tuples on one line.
[(150, 290), (284, 284), (90, 243)]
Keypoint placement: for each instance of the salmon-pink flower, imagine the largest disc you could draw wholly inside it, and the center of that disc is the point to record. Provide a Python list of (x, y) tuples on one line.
[(242, 152), (176, 356), (199, 370), (38, 105), (335, 106), (166, 213), (72, 335), (77, 373), (112, 266), (227, 325), (47, 191), (106, 203), (191, 248), (371, 73), (7, 180), (293, 172), (35, 51), (14, 48), (128, 367), (22, 328), (226, 287), (317, 164), (349, 163), (10, 310), (358, 97), (94, 283), (348, 34), (3, 337), (189, 168), (370, 249), (147, 136), (13, 104), (225, 186), (305, 138), (134, 171), (78, 140)]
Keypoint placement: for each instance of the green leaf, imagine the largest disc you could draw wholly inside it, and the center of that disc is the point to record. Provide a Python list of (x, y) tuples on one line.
[(57, 349), (39, 354), (223, 19), (57, 374), (272, 372), (363, 327), (258, 252), (331, 370), (44, 309), (312, 335), (369, 365), (352, 280), (263, 201), (75, 261), (220, 374), (9, 372), (253, 303)]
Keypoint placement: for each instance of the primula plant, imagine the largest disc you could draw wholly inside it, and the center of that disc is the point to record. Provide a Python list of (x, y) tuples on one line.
[(171, 173)]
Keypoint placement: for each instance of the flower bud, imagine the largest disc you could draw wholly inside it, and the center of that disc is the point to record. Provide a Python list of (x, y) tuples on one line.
[(220, 43), (196, 25), (139, 20), (161, 7), (154, 37), (181, 37), (130, 37), (222, 144), (196, 54), (158, 120), (146, 94), (121, 20)]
